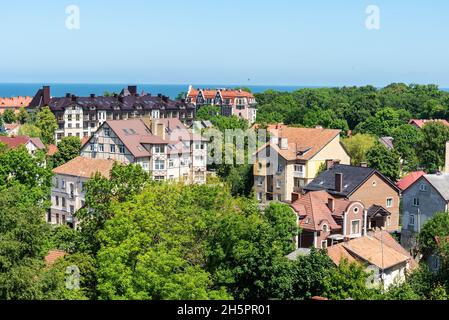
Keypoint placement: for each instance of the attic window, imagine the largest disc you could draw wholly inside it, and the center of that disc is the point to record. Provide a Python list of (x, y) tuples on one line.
[(308, 221)]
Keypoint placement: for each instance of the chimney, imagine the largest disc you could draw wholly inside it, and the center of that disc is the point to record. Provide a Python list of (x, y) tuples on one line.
[(338, 182), (446, 169), (68, 95), (295, 196), (132, 90), (283, 143), (92, 95), (74, 98), (329, 164), (46, 95), (331, 204)]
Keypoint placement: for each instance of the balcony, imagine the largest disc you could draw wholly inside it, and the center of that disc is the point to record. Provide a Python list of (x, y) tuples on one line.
[(299, 174)]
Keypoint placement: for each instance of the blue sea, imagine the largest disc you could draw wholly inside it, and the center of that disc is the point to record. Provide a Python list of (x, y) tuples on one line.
[(172, 91)]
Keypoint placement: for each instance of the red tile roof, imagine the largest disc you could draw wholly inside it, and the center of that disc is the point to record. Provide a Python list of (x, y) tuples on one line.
[(225, 93), (420, 123), (52, 149), (15, 102), (53, 256), (410, 179), (15, 142)]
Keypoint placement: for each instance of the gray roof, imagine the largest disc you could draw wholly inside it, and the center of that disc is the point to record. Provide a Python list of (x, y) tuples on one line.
[(387, 142), (440, 182), (297, 253)]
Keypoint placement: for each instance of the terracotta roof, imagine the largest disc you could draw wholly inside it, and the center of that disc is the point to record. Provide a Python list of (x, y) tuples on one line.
[(303, 143), (52, 149), (408, 180), (15, 102), (15, 142), (391, 242), (11, 126), (225, 93), (314, 211), (373, 251), (54, 255), (85, 167), (420, 123), (133, 134), (338, 253)]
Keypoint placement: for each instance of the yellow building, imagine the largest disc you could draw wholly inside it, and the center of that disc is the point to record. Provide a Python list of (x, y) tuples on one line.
[(293, 158)]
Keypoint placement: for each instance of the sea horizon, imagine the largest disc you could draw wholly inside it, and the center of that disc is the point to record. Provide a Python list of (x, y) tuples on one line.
[(58, 89)]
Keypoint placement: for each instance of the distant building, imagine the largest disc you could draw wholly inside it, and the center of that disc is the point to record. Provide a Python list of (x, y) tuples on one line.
[(300, 154), (379, 195), (424, 198), (409, 179), (82, 116), (232, 102), (420, 123), (12, 129), (67, 193), (387, 142), (163, 147), (14, 104), (31, 144)]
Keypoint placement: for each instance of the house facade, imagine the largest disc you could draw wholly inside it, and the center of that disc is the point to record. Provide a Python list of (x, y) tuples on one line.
[(420, 202), (239, 103), (379, 195), (326, 220), (163, 147), (67, 193), (31, 144), (82, 116), (293, 158)]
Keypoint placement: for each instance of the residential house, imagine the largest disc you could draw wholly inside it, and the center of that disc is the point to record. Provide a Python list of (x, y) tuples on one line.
[(293, 158), (31, 144), (387, 142), (326, 220), (420, 123), (82, 116), (420, 202), (12, 129), (163, 147), (382, 255), (409, 179), (14, 103), (232, 102), (67, 193), (379, 195)]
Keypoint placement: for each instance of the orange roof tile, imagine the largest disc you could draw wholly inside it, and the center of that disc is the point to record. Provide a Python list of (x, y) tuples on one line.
[(410, 179), (53, 256), (420, 123), (15, 102), (52, 149), (85, 167), (338, 253)]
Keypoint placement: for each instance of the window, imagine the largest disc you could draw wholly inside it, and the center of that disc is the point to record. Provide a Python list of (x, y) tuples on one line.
[(390, 203), (388, 221), (77, 117), (122, 149), (101, 147), (356, 210), (159, 165), (260, 166), (325, 228), (112, 148), (159, 178), (92, 147), (278, 184), (69, 117), (63, 202), (411, 220), (299, 183), (260, 181), (260, 196), (171, 164), (199, 146), (107, 132), (279, 197), (63, 219), (146, 166), (62, 184), (374, 184), (280, 168), (355, 227), (56, 183), (72, 209), (416, 202), (57, 201), (57, 218), (299, 168), (159, 149), (423, 188), (324, 244)]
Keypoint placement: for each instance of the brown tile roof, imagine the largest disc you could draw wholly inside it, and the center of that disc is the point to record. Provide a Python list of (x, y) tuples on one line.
[(373, 251), (420, 123), (15, 142), (313, 210), (52, 149), (225, 93), (15, 102), (134, 133), (53, 256), (303, 143), (85, 167)]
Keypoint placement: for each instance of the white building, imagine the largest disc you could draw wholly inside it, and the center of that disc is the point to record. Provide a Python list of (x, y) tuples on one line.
[(67, 194)]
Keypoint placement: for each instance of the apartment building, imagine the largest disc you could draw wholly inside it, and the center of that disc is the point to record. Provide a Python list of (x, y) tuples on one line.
[(14, 104), (67, 193), (82, 116), (293, 158), (164, 147), (239, 103)]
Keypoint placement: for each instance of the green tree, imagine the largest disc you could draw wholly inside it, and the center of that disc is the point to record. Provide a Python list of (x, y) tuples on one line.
[(406, 138), (207, 112), (46, 122), (385, 160), (68, 149), (437, 226), (30, 130), (432, 147), (358, 146), (23, 116), (9, 116)]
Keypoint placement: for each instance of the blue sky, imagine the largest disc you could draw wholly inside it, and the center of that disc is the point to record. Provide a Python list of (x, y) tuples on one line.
[(283, 42)]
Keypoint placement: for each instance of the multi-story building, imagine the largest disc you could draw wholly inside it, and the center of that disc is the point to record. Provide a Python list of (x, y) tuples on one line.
[(232, 102), (293, 158), (82, 116), (163, 147), (14, 104), (67, 193), (379, 195)]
